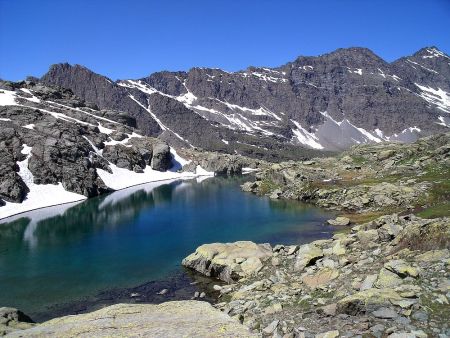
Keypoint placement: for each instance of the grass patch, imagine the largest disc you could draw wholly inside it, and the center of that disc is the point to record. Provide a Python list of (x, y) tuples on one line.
[(437, 204), (364, 217), (267, 186)]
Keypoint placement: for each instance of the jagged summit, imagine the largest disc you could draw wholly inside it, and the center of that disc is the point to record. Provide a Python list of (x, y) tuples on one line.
[(327, 102)]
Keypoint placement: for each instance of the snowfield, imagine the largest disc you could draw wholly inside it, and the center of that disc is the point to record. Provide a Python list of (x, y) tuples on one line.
[(46, 195)]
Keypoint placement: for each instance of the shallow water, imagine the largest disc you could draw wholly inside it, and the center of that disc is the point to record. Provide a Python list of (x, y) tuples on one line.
[(61, 254)]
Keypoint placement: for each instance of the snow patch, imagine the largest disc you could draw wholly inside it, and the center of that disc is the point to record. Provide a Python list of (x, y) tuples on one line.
[(7, 98), (305, 137), (29, 126), (438, 97), (434, 53), (443, 121), (104, 130), (40, 195)]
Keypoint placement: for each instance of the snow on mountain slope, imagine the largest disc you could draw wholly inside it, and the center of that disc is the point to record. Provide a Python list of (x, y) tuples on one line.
[(61, 152), (282, 106)]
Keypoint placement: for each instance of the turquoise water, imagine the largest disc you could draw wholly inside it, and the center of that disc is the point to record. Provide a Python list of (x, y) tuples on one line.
[(60, 254)]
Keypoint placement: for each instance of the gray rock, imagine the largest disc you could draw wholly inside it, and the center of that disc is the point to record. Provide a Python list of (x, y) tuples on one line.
[(385, 313), (162, 159)]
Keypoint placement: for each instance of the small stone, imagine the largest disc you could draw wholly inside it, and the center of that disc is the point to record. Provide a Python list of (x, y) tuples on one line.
[(271, 327), (135, 294), (368, 282), (385, 313), (202, 295), (217, 287), (329, 310), (328, 334), (196, 294), (274, 308), (163, 292)]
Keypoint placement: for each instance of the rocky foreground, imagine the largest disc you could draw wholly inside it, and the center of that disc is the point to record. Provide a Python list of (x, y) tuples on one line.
[(171, 319), (388, 277)]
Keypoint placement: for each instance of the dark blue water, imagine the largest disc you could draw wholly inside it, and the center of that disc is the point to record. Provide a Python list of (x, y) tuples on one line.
[(133, 236)]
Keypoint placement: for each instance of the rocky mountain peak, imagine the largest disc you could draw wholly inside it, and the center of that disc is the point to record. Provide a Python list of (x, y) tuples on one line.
[(430, 52), (326, 102)]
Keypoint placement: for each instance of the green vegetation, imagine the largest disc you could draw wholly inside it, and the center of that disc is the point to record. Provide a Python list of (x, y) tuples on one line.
[(267, 186)]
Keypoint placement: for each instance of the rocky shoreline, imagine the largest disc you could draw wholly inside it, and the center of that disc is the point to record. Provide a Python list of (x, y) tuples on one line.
[(388, 277), (367, 181)]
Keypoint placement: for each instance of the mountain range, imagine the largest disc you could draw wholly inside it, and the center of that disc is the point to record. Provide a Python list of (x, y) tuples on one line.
[(328, 102), (73, 134)]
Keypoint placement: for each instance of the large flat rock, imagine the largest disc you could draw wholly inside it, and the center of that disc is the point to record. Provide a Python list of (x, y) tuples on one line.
[(171, 319), (228, 261)]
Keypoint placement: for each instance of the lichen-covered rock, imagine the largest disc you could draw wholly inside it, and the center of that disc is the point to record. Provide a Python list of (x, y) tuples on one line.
[(306, 255), (228, 261), (320, 278), (12, 319), (401, 268), (367, 300), (171, 319)]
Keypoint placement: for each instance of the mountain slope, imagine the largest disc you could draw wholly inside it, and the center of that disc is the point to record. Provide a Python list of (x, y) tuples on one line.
[(328, 102)]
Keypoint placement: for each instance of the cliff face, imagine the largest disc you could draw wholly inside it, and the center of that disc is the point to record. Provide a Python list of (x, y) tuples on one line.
[(328, 102)]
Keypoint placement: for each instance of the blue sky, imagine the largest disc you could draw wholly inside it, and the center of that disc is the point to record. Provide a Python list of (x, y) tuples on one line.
[(133, 38)]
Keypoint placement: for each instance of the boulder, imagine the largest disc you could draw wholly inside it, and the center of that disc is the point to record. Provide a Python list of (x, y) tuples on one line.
[(320, 278), (170, 319), (12, 319), (339, 221), (306, 255), (387, 279), (228, 261), (367, 301), (401, 268), (162, 159), (124, 157)]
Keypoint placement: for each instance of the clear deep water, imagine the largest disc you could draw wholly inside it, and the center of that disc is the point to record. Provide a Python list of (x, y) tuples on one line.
[(59, 254)]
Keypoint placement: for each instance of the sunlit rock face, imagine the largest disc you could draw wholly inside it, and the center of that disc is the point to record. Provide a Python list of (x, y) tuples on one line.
[(327, 102)]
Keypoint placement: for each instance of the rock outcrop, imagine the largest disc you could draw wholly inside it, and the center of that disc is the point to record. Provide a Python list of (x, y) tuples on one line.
[(12, 319), (171, 319), (228, 262), (366, 179)]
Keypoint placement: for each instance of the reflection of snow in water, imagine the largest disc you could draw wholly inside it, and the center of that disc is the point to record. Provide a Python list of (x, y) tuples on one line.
[(36, 216)]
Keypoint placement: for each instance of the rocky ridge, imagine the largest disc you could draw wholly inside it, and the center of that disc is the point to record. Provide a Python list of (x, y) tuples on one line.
[(326, 102)]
